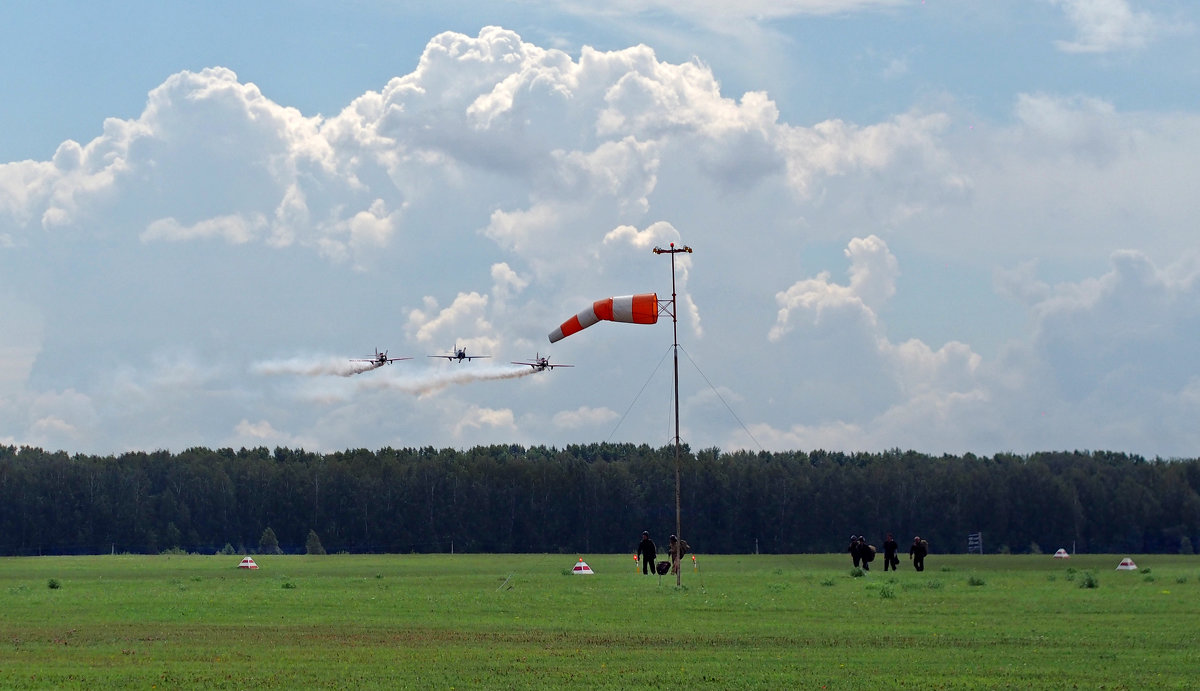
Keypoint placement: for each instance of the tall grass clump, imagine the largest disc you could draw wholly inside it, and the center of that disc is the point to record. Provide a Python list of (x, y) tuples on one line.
[(1088, 580)]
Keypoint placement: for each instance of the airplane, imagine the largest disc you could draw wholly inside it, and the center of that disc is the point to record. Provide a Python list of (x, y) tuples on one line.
[(460, 354), (541, 364), (380, 359)]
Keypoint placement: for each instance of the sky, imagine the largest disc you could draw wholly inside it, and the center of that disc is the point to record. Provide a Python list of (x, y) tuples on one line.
[(947, 226)]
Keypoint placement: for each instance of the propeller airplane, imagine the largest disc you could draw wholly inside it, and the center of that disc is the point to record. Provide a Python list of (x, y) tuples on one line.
[(541, 364), (380, 359), (460, 354)]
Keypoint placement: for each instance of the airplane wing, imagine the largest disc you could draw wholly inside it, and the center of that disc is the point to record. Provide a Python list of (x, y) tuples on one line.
[(476, 357), (553, 366), (397, 359)]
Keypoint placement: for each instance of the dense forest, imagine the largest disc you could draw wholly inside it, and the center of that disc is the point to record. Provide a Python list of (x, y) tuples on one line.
[(588, 499)]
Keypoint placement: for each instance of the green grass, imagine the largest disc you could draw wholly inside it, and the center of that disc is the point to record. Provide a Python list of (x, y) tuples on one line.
[(505, 621)]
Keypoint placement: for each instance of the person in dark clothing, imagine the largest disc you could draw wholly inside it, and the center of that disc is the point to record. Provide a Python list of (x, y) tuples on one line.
[(864, 553), (647, 552), (889, 553), (917, 553), (855, 554)]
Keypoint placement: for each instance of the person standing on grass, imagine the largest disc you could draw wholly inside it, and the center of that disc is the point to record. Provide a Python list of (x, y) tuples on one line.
[(917, 553), (865, 553), (647, 552), (889, 553), (677, 549), (855, 554)]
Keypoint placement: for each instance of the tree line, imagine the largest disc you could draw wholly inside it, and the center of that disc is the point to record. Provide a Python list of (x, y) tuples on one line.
[(593, 498)]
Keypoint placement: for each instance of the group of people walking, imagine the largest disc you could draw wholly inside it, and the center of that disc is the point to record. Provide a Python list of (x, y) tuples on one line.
[(863, 554), (648, 553)]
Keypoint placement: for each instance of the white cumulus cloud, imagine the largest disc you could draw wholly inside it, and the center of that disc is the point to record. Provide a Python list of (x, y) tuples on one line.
[(1103, 26), (843, 268)]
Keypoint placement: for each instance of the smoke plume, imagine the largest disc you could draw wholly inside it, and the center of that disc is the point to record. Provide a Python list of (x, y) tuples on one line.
[(314, 368)]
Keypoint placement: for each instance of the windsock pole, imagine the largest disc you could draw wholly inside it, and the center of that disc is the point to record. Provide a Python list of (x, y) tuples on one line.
[(673, 250)]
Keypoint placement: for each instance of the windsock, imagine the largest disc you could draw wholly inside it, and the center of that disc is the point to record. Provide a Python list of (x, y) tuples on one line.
[(633, 309)]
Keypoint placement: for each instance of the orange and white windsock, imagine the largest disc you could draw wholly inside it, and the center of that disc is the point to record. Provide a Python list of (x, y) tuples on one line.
[(632, 309)]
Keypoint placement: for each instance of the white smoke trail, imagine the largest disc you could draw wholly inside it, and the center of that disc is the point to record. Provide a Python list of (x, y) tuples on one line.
[(419, 383), (436, 380), (313, 368)]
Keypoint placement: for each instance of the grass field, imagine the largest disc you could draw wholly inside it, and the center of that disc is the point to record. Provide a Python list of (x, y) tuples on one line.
[(522, 621)]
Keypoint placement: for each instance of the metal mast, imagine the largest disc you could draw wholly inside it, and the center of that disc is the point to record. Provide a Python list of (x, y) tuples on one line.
[(675, 349)]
